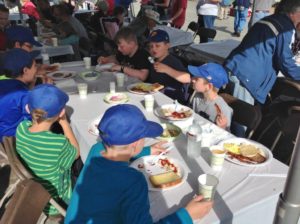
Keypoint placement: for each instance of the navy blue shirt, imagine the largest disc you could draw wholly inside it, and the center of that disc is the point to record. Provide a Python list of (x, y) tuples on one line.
[(13, 99), (112, 192)]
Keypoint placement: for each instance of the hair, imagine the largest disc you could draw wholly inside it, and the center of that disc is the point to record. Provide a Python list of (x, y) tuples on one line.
[(119, 10), (15, 74), (67, 28), (39, 115), (3, 8), (127, 34), (64, 9), (288, 6)]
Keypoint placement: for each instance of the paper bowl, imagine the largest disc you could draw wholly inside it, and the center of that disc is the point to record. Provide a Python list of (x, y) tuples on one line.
[(171, 132)]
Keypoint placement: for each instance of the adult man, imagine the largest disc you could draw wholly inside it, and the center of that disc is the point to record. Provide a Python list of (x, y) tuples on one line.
[(4, 13), (178, 13), (261, 9), (130, 59), (265, 50), (240, 16)]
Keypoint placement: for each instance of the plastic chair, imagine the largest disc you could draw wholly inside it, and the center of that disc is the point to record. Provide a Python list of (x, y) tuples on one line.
[(205, 34), (27, 203), (194, 26), (21, 172), (244, 113)]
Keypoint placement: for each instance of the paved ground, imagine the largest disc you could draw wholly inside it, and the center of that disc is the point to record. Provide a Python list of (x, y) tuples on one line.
[(224, 27)]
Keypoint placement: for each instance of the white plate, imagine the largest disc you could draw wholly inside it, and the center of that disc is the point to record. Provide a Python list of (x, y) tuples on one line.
[(159, 111), (116, 98), (89, 75), (61, 75), (93, 126), (129, 88), (157, 169), (104, 67), (264, 151), (169, 126)]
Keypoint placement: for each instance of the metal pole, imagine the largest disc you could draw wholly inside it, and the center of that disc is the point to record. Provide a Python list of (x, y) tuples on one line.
[(288, 206)]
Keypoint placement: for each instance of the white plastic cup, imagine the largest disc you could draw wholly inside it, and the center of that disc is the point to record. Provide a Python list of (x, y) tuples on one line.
[(217, 157), (54, 41), (120, 79), (82, 90), (112, 87), (207, 186), (87, 62), (45, 58), (149, 102)]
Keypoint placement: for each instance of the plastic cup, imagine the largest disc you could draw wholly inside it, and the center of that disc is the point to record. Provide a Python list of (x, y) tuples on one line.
[(149, 102), (112, 87), (87, 62), (82, 90), (45, 58), (54, 41), (120, 79), (217, 157), (207, 186)]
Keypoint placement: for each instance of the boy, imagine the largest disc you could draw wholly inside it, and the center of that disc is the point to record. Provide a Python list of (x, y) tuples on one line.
[(130, 59), (108, 190), (159, 49), (207, 80), (48, 156), (20, 74)]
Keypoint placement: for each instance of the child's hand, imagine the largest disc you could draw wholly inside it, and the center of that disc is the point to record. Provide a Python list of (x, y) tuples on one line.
[(221, 121), (160, 67), (63, 119), (116, 68), (103, 60), (158, 147), (197, 208)]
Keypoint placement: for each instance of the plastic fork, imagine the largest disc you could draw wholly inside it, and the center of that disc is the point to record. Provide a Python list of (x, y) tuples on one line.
[(156, 158), (176, 105)]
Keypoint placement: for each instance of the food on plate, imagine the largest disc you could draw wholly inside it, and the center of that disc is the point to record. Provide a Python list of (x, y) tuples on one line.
[(58, 75), (68, 75), (116, 98), (146, 88), (169, 133), (168, 165), (90, 75), (166, 179), (179, 114), (52, 68), (245, 152)]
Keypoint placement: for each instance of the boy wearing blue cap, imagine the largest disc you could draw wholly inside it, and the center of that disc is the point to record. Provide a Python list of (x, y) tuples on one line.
[(207, 80), (108, 190), (159, 49), (48, 156), (20, 70)]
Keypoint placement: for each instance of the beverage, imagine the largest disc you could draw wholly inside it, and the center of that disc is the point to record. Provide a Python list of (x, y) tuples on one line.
[(207, 186), (82, 90), (87, 62), (112, 87), (149, 103), (194, 139), (217, 157), (46, 59), (120, 79)]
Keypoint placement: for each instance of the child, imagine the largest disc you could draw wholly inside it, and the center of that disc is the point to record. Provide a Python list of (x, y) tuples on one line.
[(67, 35), (207, 80), (108, 190), (159, 49), (19, 69), (48, 156)]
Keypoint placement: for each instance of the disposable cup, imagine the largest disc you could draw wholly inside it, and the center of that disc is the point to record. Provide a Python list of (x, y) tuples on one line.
[(217, 157), (207, 186), (54, 41), (87, 62), (120, 79), (112, 87), (82, 90), (149, 102)]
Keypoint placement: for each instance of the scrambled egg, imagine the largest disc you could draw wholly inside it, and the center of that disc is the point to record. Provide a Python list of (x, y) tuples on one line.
[(233, 148)]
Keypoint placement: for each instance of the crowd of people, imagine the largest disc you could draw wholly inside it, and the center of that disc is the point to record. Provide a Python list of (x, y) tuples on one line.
[(29, 109)]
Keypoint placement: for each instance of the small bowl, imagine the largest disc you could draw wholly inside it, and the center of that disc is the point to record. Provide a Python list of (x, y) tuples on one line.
[(90, 75), (171, 132)]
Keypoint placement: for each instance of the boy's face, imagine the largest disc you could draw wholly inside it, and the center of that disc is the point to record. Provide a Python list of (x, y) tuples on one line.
[(29, 73), (3, 19), (199, 84), (126, 48), (159, 49)]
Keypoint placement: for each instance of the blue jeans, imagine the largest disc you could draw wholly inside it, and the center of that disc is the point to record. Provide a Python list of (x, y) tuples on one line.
[(209, 23), (240, 19)]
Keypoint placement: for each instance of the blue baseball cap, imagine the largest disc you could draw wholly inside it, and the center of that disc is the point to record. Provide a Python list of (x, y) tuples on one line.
[(16, 59), (21, 34), (212, 72), (49, 98), (159, 36), (124, 124)]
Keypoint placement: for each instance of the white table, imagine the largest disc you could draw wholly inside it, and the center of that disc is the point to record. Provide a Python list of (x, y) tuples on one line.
[(55, 51), (242, 195), (215, 51)]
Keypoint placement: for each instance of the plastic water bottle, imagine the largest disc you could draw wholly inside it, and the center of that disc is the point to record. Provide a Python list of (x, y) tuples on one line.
[(194, 139)]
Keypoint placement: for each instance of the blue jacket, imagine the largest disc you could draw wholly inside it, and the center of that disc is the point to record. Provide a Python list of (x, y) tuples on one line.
[(111, 192), (262, 53), (13, 98)]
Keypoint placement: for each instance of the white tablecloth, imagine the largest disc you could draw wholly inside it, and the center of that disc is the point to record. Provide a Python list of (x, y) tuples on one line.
[(245, 195), (55, 51)]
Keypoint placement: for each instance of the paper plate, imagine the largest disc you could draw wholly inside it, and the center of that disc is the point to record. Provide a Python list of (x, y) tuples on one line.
[(137, 88), (262, 150), (89, 75), (144, 165), (173, 113), (61, 75), (93, 126), (116, 98), (104, 67)]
